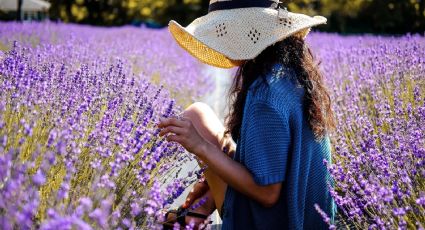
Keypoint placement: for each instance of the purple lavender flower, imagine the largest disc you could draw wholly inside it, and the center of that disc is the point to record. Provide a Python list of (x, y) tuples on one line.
[(86, 132), (377, 162), (39, 178)]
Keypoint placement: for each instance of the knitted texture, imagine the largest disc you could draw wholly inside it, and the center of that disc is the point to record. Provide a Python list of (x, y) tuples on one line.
[(264, 120), (277, 145)]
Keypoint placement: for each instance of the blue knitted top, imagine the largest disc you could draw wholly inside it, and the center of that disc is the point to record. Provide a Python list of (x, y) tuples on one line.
[(277, 145)]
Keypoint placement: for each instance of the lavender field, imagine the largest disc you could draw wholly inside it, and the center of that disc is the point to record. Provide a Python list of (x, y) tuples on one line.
[(79, 107), (377, 86), (79, 146)]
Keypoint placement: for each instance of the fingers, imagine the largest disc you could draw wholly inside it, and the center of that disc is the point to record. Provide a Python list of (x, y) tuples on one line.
[(164, 122), (171, 129), (173, 125), (175, 138)]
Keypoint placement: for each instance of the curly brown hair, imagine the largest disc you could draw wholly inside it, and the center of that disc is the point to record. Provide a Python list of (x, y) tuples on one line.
[(292, 52)]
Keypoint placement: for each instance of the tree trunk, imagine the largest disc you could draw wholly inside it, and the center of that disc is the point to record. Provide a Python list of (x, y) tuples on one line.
[(19, 11)]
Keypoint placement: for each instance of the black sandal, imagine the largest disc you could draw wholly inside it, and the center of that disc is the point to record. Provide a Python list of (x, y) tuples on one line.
[(181, 214)]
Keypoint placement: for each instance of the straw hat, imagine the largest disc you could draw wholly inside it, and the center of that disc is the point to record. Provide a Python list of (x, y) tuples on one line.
[(238, 30)]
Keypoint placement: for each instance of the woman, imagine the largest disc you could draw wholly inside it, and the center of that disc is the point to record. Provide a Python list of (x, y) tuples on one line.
[(280, 119)]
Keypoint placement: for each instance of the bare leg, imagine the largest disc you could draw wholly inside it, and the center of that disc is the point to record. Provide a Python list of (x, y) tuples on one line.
[(209, 126)]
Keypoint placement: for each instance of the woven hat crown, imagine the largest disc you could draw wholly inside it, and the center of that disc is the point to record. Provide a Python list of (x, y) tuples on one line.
[(237, 30)]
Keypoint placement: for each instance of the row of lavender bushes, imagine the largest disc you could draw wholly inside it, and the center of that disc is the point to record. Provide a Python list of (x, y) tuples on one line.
[(79, 145), (377, 86), (78, 139)]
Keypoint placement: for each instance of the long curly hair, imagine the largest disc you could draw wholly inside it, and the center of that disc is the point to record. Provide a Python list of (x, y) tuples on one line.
[(292, 52)]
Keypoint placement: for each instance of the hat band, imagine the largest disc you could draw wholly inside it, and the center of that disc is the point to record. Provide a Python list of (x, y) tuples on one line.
[(227, 5)]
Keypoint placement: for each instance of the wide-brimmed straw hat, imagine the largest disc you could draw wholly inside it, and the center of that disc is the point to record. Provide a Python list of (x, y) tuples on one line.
[(237, 30)]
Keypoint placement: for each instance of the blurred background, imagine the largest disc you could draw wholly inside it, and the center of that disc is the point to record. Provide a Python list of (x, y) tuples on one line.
[(345, 16)]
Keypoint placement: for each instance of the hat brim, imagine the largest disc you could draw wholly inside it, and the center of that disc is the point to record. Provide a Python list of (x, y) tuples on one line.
[(198, 49), (226, 38)]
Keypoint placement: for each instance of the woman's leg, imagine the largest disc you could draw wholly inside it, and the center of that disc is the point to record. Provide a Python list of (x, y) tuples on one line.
[(209, 126), (204, 205)]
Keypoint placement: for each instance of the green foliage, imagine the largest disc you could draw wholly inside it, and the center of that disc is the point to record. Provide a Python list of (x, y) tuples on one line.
[(345, 16), (117, 12), (371, 16)]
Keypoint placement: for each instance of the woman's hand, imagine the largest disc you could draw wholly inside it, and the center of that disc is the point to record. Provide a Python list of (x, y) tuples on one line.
[(231, 172), (183, 132)]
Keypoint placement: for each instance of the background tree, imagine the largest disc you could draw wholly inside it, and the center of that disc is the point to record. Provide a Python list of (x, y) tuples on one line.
[(344, 16), (19, 11)]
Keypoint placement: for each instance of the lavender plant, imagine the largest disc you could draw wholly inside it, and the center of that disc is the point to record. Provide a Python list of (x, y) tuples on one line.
[(78, 138), (378, 89), (79, 146)]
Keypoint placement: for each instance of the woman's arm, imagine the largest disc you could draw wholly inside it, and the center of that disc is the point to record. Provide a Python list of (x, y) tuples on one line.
[(232, 172), (238, 176)]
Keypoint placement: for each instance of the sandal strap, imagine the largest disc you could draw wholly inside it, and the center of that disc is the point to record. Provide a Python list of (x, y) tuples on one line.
[(181, 214), (168, 213), (167, 225), (197, 215)]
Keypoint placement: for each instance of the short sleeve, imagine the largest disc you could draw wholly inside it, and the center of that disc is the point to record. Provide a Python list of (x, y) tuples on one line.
[(267, 143)]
